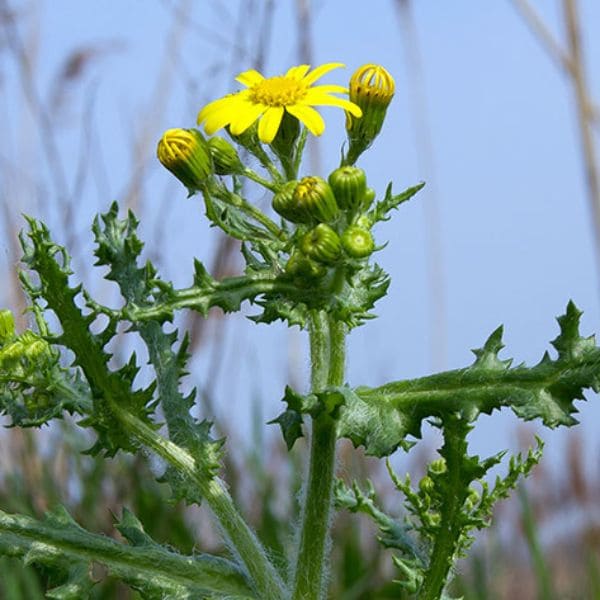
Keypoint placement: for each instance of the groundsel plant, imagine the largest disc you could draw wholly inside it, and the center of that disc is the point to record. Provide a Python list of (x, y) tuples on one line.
[(309, 263)]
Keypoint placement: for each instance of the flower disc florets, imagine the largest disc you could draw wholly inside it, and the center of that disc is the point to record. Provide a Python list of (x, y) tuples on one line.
[(267, 99)]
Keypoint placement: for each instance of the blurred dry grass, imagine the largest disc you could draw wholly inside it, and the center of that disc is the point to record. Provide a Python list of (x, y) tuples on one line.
[(536, 548)]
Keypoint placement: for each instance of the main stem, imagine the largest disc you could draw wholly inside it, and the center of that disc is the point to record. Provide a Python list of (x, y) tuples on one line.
[(327, 344)]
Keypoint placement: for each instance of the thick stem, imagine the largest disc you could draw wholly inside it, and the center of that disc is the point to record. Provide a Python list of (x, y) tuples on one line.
[(327, 358)]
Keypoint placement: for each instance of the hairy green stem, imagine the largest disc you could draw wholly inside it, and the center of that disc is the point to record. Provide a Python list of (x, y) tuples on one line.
[(451, 526), (327, 362), (243, 541), (254, 176)]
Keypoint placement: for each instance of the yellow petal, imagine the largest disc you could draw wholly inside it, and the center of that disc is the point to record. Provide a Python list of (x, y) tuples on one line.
[(269, 124), (297, 72), (330, 89), (316, 99), (246, 114), (320, 71), (216, 105), (309, 116), (249, 78), (217, 119)]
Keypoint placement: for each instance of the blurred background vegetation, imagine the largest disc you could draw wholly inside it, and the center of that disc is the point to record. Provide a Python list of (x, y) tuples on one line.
[(544, 542)]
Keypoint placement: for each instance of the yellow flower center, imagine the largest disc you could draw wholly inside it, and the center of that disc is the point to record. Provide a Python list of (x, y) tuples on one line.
[(278, 91)]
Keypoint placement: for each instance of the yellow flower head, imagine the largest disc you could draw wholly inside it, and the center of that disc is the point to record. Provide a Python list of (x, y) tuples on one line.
[(372, 84), (268, 98)]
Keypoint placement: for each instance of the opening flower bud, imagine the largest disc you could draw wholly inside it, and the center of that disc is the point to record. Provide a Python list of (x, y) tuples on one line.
[(372, 89), (285, 204), (186, 154), (224, 157), (315, 198), (349, 185), (358, 242), (322, 244)]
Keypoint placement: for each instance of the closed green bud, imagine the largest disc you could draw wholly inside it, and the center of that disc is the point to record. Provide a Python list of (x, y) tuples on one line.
[(372, 89), (358, 242), (224, 156), (322, 244), (284, 203), (368, 199), (315, 198), (426, 485), (186, 154), (304, 268), (7, 326), (437, 467), (349, 185)]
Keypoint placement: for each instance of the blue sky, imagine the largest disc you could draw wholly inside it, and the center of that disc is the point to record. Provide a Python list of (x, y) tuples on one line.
[(504, 177)]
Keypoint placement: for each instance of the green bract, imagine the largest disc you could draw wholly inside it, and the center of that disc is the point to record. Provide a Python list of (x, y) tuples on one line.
[(312, 269)]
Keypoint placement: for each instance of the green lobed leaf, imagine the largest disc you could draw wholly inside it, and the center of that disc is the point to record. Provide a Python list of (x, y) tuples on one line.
[(62, 546), (119, 248), (108, 388), (381, 418), (391, 201)]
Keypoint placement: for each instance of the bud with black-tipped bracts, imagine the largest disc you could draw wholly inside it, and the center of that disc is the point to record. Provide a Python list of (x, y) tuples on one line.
[(322, 244), (315, 198), (372, 89), (224, 156), (284, 203), (349, 185), (186, 154), (357, 242)]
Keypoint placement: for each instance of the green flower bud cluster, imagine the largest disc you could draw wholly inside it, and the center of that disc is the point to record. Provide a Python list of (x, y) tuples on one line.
[(321, 205), (312, 199), (13, 350)]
